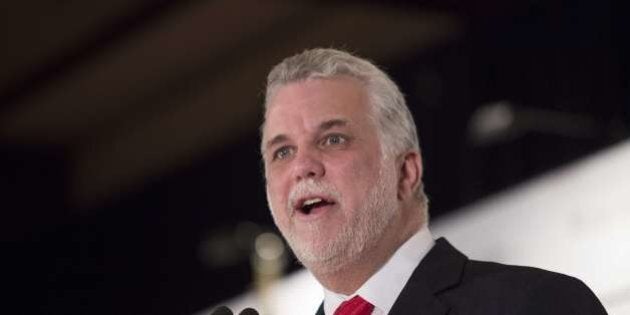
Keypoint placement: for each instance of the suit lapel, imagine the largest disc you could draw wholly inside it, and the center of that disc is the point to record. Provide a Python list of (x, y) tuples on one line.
[(440, 270), (320, 310)]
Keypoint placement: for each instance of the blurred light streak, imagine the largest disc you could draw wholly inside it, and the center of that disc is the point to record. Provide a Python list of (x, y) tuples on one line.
[(225, 247), (504, 121), (268, 262), (491, 123)]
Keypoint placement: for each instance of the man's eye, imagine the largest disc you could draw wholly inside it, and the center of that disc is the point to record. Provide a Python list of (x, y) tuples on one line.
[(282, 153), (334, 140)]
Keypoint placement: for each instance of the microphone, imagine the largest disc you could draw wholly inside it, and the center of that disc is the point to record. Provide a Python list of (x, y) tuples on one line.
[(222, 310), (248, 311)]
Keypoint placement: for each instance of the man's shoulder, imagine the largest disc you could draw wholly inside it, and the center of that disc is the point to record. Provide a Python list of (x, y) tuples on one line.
[(492, 274), (520, 277), (483, 270), (527, 289), (477, 287)]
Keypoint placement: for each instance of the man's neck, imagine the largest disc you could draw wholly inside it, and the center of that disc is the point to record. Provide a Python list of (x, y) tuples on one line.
[(349, 278)]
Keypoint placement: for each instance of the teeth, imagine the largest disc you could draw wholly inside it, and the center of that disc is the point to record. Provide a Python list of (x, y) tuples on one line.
[(312, 201)]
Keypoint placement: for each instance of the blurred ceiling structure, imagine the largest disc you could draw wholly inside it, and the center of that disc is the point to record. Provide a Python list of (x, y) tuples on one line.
[(184, 70), (128, 129)]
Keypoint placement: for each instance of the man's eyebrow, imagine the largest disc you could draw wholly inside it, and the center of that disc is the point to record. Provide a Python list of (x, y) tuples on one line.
[(275, 140), (329, 124), (326, 125)]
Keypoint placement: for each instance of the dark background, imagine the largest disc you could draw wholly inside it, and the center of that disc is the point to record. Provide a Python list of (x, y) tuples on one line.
[(130, 175)]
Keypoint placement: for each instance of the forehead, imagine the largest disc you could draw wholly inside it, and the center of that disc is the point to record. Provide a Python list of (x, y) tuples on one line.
[(312, 101)]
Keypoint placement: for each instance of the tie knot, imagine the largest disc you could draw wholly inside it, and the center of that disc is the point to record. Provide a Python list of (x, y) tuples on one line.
[(355, 306)]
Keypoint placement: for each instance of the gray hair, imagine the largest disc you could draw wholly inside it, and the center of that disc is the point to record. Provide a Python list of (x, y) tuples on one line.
[(395, 124)]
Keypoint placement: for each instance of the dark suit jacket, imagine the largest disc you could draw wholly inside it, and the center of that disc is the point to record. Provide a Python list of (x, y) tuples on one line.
[(447, 282)]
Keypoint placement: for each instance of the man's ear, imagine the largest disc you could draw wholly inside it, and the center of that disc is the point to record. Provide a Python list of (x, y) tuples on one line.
[(410, 174)]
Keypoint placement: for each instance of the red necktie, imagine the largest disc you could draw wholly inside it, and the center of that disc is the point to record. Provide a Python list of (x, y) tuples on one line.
[(355, 306)]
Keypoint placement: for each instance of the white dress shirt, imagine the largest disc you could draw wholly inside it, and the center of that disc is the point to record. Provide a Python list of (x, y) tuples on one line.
[(383, 287)]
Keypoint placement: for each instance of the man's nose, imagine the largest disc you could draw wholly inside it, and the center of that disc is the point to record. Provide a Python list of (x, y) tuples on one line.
[(308, 164)]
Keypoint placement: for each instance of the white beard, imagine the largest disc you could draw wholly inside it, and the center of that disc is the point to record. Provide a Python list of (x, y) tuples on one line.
[(360, 233)]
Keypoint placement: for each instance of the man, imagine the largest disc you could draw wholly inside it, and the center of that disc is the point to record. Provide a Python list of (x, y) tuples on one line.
[(344, 184)]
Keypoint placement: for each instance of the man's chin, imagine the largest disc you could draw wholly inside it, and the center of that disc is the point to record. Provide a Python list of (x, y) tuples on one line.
[(319, 255), (313, 250)]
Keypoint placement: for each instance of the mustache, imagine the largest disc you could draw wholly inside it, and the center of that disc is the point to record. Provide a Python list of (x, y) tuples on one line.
[(311, 187)]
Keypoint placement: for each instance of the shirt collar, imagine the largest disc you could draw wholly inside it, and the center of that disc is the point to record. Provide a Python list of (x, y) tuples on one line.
[(383, 287)]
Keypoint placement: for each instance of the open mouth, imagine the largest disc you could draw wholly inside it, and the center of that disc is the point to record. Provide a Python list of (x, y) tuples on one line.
[(308, 205)]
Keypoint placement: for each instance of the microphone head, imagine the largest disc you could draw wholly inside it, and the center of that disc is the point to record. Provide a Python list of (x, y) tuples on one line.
[(248, 311), (222, 310)]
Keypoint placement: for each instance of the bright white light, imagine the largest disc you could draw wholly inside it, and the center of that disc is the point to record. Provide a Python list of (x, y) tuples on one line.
[(575, 220), (298, 293)]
